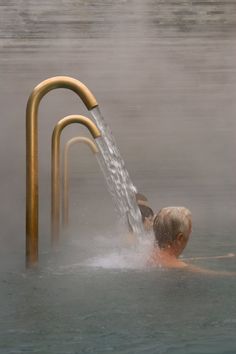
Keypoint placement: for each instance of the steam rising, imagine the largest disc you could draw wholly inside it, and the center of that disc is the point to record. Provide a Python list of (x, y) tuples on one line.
[(164, 78)]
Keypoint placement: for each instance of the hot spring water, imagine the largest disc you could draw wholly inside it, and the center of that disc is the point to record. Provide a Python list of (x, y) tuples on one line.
[(180, 55)]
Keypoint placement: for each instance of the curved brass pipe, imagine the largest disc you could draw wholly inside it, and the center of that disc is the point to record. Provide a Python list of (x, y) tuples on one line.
[(65, 203), (32, 153), (55, 168)]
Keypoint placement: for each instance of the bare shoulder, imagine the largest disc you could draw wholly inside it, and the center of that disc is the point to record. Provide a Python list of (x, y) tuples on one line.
[(159, 260), (176, 263)]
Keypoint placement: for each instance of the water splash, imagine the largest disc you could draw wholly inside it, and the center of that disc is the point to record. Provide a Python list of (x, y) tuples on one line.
[(132, 257), (117, 177)]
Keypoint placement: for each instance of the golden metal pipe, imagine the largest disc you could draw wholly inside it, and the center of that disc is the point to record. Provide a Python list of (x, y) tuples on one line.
[(32, 153), (55, 168), (65, 203)]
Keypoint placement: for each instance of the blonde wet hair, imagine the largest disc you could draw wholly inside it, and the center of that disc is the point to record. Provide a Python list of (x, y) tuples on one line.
[(169, 222), (141, 199)]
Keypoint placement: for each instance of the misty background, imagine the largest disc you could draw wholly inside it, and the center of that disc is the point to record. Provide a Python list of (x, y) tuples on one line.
[(164, 75)]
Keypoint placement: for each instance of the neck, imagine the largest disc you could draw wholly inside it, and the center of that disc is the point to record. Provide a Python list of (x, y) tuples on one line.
[(166, 258), (167, 252)]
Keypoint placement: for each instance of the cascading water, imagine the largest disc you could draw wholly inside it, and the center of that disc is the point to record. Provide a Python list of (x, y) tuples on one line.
[(118, 180)]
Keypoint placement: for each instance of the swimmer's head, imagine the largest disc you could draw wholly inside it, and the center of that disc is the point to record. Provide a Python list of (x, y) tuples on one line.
[(147, 216), (141, 199), (172, 227)]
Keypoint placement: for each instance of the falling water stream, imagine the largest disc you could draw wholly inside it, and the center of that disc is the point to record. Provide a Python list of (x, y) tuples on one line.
[(117, 177)]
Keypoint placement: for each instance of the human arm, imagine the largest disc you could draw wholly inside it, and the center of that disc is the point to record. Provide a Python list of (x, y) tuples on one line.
[(179, 264), (200, 270), (228, 255)]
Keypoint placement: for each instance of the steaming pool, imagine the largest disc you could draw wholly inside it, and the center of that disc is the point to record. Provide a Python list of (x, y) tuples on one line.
[(106, 300), (163, 73)]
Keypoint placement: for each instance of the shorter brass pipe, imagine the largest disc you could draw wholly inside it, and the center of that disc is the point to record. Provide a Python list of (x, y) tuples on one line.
[(65, 199), (55, 168)]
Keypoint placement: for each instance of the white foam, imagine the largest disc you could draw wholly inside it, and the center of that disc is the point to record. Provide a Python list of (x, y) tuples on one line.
[(133, 258)]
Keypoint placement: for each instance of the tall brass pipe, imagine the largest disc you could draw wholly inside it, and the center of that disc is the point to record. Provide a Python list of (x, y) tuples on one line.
[(65, 203), (32, 153), (55, 168)]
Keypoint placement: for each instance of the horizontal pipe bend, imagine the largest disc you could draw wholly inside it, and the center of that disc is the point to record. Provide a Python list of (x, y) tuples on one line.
[(82, 139), (62, 82), (74, 118)]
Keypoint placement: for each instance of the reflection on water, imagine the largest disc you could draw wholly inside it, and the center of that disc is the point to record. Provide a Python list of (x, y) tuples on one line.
[(164, 76)]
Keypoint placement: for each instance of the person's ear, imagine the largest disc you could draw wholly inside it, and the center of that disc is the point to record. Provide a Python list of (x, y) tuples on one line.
[(180, 237)]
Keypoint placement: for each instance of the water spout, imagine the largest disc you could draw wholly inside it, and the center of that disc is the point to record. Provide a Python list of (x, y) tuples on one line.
[(32, 152), (55, 168), (65, 199)]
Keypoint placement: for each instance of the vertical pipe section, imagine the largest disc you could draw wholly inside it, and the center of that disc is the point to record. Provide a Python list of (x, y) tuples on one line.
[(32, 153), (65, 194), (55, 168)]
